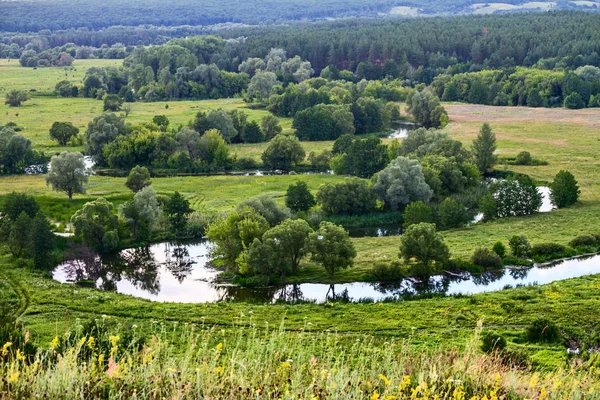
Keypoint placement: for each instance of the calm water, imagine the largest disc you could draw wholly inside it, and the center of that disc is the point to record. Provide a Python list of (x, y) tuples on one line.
[(401, 130), (169, 272)]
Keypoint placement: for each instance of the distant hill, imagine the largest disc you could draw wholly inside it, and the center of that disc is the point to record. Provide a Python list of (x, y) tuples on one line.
[(33, 16)]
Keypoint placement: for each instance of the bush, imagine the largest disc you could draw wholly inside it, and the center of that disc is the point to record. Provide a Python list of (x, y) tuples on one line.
[(499, 249), (519, 246), (564, 190), (387, 272), (549, 251), (246, 163), (417, 212), (512, 260), (584, 241), (543, 330), (524, 158), (493, 342), (352, 197), (486, 258), (197, 223)]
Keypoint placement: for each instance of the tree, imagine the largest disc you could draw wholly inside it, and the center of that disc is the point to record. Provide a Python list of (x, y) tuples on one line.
[(402, 182), (517, 197), (16, 152), (299, 198), (19, 238), (283, 152), (331, 247), (222, 121), (425, 245), (161, 120), (16, 203), (288, 241), (261, 84), (519, 246), (265, 205), (452, 214), (62, 132), (270, 126), (417, 212), (102, 130), (342, 144), (67, 173), (564, 190), (365, 157), (178, 207), (484, 147), (139, 178), (427, 110), (42, 242), (574, 101), (253, 133), (15, 98), (189, 140), (488, 207), (234, 234), (112, 102), (213, 150), (96, 224), (351, 197), (142, 213)]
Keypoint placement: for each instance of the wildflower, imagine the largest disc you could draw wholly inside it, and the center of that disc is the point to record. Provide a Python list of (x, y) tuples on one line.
[(219, 347), (20, 355), (285, 365), (90, 343), (14, 377), (100, 359), (113, 368), (5, 348), (405, 382), (219, 370), (543, 394), (384, 379), (533, 381), (375, 396)]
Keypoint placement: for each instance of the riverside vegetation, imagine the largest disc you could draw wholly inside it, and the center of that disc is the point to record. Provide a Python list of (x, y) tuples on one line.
[(288, 228)]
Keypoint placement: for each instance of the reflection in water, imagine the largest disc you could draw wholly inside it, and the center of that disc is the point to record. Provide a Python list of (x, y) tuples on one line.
[(180, 273)]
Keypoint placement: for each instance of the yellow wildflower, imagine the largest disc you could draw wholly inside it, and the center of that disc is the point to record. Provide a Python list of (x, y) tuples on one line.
[(219, 370), (533, 381), (375, 396), (285, 365), (543, 394), (5, 348), (405, 382), (90, 343), (100, 359), (219, 347), (14, 377), (20, 355), (54, 343), (384, 379)]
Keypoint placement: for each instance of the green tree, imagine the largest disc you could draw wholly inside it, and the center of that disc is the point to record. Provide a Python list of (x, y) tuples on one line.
[(417, 212), (519, 246), (139, 178), (270, 126), (489, 207), (564, 190), (261, 84), (15, 98), (452, 214), (112, 102), (331, 247), (253, 133), (574, 101), (402, 182), (266, 206), (365, 157), (177, 209), (283, 152), (233, 234), (19, 238), (289, 242), (517, 197), (352, 197), (342, 144), (96, 224), (427, 110), (62, 132), (67, 173), (161, 120), (16, 203), (484, 147), (422, 243), (42, 242), (299, 198), (213, 150), (142, 213), (102, 130)]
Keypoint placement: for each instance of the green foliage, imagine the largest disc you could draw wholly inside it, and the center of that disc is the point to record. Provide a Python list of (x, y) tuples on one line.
[(387, 272), (489, 207), (353, 197), (18, 241), (574, 101), (519, 246), (253, 133), (42, 243), (96, 224), (323, 122), (484, 147), (299, 198), (270, 126), (161, 120), (584, 241), (364, 158), (283, 152), (102, 130), (499, 249), (523, 158), (516, 197), (331, 247), (67, 173), (266, 206), (320, 162), (427, 110), (564, 190), (16, 153), (416, 213), (342, 144), (138, 178), (422, 243), (142, 214), (422, 142), (15, 203), (177, 209), (542, 252), (492, 342), (401, 183), (63, 132), (543, 330), (485, 258), (234, 234), (112, 103), (15, 98), (452, 214)]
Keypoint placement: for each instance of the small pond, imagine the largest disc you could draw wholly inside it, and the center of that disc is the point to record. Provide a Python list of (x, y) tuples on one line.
[(169, 272), (401, 130)]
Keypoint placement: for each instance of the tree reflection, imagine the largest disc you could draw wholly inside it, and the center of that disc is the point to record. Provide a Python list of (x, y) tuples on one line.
[(520, 273), (179, 262), (486, 278)]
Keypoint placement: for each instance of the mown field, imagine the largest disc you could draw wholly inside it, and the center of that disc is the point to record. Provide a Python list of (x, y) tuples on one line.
[(566, 139)]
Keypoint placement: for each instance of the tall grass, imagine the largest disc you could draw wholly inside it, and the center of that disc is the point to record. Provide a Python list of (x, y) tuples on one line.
[(202, 362)]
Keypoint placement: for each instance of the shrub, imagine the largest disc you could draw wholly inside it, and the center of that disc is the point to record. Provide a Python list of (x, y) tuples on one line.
[(246, 163), (564, 190), (524, 158), (519, 246), (499, 249), (543, 330), (417, 212), (548, 251), (512, 260), (493, 342), (486, 258), (584, 241), (352, 197), (387, 272)]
